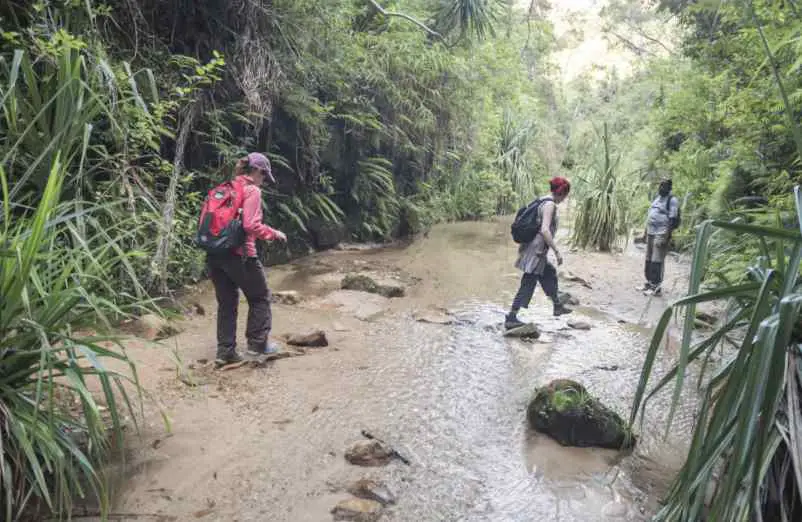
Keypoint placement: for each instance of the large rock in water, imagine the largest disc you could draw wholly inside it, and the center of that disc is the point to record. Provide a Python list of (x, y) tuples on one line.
[(566, 412)]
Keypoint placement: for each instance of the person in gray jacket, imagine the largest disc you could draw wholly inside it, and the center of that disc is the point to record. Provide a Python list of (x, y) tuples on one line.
[(661, 221)]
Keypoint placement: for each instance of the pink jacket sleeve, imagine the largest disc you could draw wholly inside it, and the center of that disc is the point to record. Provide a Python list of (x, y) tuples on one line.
[(252, 215)]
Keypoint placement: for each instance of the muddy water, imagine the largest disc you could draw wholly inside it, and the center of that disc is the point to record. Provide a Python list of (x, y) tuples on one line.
[(268, 444)]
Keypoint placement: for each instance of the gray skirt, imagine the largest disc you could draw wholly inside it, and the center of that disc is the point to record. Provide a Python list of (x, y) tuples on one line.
[(532, 256)]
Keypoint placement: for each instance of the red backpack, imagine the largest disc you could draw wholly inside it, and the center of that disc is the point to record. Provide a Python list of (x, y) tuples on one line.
[(220, 225)]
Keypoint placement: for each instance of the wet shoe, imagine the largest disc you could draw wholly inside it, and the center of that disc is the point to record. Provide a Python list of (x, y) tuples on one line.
[(657, 292), (561, 310), (266, 349), (511, 322), (230, 358)]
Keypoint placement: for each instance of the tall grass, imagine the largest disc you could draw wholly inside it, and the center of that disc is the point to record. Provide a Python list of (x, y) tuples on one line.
[(63, 395)]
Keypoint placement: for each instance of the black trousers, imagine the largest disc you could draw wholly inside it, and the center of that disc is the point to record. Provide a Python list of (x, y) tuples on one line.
[(229, 274), (548, 281)]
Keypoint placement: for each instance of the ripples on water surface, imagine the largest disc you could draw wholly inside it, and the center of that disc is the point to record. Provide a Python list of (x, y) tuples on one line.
[(454, 399)]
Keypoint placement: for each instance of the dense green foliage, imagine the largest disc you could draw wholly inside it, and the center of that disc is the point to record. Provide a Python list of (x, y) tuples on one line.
[(727, 129), (710, 113), (369, 118)]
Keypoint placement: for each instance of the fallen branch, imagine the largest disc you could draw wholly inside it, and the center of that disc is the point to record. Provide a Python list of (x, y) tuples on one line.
[(406, 17)]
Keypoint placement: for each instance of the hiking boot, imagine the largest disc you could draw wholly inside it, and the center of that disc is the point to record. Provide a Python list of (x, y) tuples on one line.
[(265, 349), (561, 309), (228, 358), (511, 322)]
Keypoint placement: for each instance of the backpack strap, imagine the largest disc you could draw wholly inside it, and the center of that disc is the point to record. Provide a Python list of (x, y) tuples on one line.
[(670, 198)]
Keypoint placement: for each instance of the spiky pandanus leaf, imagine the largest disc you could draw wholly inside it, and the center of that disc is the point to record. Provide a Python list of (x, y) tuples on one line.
[(747, 437)]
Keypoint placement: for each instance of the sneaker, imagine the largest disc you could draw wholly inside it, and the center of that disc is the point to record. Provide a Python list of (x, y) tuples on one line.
[(644, 287), (656, 291), (266, 349), (561, 309), (229, 358), (511, 322)]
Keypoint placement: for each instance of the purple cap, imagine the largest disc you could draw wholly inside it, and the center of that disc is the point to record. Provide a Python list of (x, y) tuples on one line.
[(259, 161)]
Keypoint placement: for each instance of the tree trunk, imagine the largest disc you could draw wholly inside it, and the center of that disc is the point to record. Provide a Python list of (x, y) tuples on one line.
[(162, 255)]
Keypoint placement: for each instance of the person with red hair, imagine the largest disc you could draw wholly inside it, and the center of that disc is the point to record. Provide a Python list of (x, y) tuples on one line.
[(533, 260)]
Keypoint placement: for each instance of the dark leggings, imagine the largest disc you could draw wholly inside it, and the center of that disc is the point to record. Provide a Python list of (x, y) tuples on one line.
[(548, 281)]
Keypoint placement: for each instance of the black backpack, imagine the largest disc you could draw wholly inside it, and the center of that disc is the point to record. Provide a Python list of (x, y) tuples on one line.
[(679, 209), (527, 222)]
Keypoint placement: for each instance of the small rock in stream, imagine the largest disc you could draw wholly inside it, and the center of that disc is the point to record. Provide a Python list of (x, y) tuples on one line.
[(527, 331), (579, 325), (567, 299), (286, 297), (153, 328), (358, 510), (372, 490), (314, 339), (608, 368), (433, 316), (370, 453), (570, 276), (391, 291)]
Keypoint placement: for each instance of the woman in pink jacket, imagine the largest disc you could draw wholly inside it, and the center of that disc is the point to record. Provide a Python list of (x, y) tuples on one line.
[(242, 269)]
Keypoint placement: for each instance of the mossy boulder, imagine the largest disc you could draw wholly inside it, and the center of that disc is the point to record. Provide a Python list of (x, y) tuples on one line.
[(363, 283), (565, 411)]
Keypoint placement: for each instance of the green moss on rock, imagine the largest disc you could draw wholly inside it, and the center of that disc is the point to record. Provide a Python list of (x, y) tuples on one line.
[(565, 411)]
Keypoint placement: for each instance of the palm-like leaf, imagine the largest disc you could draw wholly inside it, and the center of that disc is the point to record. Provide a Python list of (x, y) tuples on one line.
[(604, 212), (477, 16)]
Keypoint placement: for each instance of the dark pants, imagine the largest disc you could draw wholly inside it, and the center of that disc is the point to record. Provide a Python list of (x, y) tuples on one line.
[(656, 252), (230, 274), (548, 281)]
